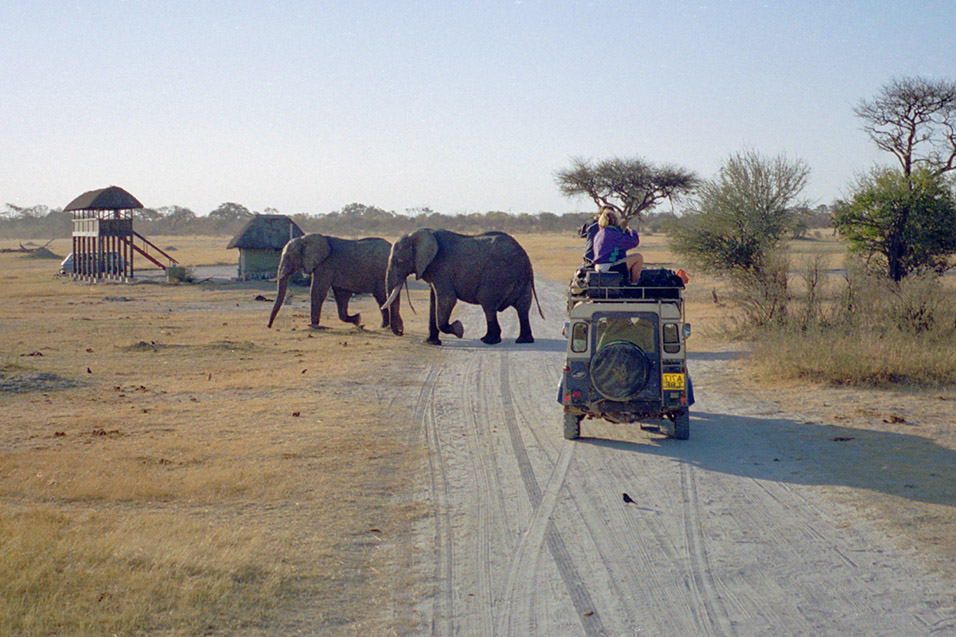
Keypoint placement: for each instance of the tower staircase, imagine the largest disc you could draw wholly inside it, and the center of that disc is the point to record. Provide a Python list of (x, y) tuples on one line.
[(144, 250)]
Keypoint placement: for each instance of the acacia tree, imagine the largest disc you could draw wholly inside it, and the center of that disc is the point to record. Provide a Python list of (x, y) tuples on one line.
[(628, 186), (914, 119)]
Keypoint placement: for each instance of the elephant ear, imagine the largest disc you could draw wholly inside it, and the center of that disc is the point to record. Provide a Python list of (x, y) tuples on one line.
[(315, 250), (426, 247)]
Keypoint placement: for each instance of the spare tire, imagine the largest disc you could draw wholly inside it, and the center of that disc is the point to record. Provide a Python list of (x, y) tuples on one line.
[(620, 370)]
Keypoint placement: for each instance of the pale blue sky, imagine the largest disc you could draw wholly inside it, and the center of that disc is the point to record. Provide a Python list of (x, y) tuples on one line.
[(460, 106)]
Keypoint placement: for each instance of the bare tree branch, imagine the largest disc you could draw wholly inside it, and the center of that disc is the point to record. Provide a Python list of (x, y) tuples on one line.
[(914, 119)]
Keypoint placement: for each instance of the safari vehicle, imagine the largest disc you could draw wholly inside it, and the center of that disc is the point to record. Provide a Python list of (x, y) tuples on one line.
[(626, 355)]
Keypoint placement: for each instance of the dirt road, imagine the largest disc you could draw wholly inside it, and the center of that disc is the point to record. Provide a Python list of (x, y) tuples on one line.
[(731, 532)]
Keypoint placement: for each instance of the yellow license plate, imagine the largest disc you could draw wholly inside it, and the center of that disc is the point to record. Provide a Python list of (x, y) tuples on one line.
[(673, 381)]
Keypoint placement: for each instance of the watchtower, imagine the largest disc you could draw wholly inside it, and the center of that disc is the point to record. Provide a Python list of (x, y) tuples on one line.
[(103, 236)]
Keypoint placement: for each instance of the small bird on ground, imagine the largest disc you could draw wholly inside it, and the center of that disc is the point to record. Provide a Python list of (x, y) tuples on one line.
[(627, 499)]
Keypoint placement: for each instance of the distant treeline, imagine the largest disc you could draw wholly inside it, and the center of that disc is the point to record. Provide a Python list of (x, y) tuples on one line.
[(41, 222)]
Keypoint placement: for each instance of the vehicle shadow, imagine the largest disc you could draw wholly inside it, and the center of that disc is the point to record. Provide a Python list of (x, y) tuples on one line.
[(540, 344), (900, 464), (715, 356)]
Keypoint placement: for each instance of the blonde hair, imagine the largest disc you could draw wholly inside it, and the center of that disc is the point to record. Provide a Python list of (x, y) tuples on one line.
[(607, 218)]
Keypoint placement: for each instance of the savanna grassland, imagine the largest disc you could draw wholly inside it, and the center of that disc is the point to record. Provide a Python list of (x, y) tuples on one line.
[(170, 465)]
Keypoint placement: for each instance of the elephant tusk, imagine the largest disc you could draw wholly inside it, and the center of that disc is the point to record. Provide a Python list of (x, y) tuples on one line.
[(391, 297)]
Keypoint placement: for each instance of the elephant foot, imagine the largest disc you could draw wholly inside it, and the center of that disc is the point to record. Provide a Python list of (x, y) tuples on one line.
[(432, 341), (489, 339), (316, 326), (398, 327), (525, 339), (354, 319), (458, 329)]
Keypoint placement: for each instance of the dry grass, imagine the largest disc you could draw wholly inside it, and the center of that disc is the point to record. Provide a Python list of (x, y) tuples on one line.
[(856, 359), (170, 465), (859, 329)]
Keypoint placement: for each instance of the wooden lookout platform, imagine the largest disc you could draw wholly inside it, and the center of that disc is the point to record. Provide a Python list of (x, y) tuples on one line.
[(104, 241)]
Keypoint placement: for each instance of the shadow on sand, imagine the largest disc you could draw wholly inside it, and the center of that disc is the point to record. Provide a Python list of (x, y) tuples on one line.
[(906, 465), (508, 344)]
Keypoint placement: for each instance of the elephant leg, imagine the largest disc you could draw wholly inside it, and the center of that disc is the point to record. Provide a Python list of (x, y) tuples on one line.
[(318, 292), (439, 311), (524, 333), (493, 334), (380, 299), (342, 297), (446, 303), (523, 308), (432, 321)]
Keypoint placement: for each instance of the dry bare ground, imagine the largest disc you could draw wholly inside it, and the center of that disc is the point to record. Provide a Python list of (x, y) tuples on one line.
[(169, 465), (779, 516)]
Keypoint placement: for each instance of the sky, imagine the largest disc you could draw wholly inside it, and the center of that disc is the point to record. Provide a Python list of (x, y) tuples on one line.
[(458, 106)]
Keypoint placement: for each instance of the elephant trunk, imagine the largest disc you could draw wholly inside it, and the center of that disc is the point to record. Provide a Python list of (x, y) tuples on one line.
[(281, 284)]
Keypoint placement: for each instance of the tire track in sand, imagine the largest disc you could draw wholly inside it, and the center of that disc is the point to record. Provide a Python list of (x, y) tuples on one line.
[(542, 530), (438, 489)]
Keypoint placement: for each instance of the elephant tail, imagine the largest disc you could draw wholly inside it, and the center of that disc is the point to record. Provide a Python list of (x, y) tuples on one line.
[(535, 294)]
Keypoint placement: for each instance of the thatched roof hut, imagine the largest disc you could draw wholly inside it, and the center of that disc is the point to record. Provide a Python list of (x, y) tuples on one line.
[(266, 232), (260, 242), (112, 198)]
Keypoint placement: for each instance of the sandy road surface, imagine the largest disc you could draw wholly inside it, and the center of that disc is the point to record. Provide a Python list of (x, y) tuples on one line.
[(731, 532)]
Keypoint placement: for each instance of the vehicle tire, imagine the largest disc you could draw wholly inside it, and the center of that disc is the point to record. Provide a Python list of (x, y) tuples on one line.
[(682, 425), (572, 426)]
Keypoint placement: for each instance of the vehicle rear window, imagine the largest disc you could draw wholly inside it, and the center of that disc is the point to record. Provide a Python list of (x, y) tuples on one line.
[(639, 330)]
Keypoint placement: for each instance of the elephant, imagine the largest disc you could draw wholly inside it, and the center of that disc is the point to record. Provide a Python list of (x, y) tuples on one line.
[(491, 270), (347, 266)]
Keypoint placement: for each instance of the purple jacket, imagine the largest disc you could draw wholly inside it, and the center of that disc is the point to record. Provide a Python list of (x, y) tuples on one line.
[(612, 243)]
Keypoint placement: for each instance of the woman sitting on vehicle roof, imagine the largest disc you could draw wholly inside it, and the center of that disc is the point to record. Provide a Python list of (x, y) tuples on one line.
[(611, 244)]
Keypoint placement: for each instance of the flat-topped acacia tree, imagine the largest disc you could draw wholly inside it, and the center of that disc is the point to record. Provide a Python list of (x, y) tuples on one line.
[(630, 186)]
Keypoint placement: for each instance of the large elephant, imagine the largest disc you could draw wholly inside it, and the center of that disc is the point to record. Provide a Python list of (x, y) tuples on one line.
[(491, 270), (347, 266)]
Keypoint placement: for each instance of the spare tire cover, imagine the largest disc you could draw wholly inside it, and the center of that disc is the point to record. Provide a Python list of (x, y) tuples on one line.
[(619, 370)]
